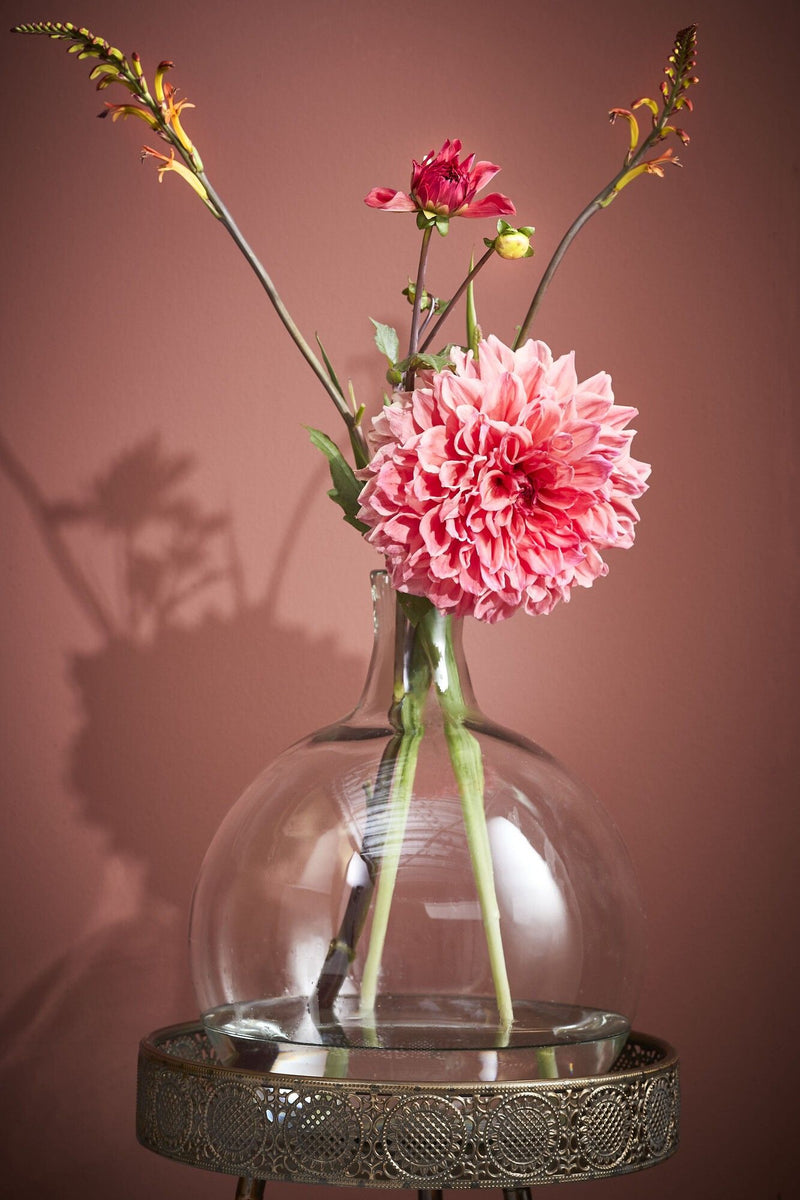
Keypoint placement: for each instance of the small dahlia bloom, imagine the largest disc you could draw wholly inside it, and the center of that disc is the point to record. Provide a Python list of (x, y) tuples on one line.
[(443, 187), (495, 485)]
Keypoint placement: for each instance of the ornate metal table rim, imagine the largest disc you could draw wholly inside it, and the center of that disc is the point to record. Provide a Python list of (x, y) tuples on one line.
[(508, 1135)]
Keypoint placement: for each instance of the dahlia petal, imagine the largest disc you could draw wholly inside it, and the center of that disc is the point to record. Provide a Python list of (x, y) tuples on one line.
[(590, 569), (440, 567), (590, 472), (433, 533), (390, 200), (493, 205), (599, 386), (618, 417), (423, 409), (399, 422), (542, 418), (584, 437), (398, 529), (505, 398), (452, 392), (562, 375), (483, 173)]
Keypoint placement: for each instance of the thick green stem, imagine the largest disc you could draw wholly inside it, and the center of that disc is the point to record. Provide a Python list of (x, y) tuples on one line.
[(412, 682), (465, 755), (546, 1062), (395, 828), (467, 762)]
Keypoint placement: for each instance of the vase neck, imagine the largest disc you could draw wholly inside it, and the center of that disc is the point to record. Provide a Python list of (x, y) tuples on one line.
[(408, 658)]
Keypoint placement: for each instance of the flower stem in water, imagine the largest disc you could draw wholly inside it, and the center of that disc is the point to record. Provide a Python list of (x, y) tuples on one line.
[(467, 761), (396, 817)]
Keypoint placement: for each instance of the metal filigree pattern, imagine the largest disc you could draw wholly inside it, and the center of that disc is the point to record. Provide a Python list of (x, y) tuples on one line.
[(320, 1133), (506, 1135), (422, 1136), (523, 1134)]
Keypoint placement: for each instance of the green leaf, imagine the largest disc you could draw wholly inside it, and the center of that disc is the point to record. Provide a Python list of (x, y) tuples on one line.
[(434, 362), (387, 341), (416, 608), (472, 316), (329, 365), (346, 488)]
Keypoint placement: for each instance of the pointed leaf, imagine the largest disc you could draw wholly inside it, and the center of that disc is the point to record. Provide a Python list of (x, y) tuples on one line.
[(346, 488), (472, 316), (387, 341), (329, 365)]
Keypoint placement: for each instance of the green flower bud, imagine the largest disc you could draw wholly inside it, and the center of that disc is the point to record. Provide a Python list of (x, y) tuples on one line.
[(427, 300), (514, 243)]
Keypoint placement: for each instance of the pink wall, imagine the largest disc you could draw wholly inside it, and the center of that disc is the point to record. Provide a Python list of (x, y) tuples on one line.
[(133, 336)]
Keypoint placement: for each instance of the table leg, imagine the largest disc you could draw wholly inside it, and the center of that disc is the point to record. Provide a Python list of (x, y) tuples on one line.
[(249, 1189)]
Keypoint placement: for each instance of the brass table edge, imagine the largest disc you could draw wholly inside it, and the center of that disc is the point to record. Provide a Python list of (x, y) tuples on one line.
[(385, 1134)]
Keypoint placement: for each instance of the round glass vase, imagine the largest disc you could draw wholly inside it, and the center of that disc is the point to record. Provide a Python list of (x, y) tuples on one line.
[(414, 893)]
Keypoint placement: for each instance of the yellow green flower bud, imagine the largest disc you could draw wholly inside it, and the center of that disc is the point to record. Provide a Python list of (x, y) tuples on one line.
[(514, 243)]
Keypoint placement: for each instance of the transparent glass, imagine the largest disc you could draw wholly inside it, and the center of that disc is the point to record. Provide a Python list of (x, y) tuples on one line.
[(416, 893)]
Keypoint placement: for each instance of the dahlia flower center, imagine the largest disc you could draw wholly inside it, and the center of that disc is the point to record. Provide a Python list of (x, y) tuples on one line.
[(527, 492), (507, 489), (443, 188)]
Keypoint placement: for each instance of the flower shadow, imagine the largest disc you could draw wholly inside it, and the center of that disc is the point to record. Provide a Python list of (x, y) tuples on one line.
[(190, 691)]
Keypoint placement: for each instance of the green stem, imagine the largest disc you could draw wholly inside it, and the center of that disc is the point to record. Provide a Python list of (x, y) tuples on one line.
[(555, 261), (419, 288), (546, 1062), (337, 1062), (356, 434), (194, 163), (600, 201), (465, 755), (412, 683), (395, 827), (342, 948), (467, 762)]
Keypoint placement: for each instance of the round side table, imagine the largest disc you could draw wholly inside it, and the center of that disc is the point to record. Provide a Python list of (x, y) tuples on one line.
[(507, 1135)]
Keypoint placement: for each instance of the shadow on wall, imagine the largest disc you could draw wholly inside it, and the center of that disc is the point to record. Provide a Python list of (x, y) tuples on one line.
[(180, 708)]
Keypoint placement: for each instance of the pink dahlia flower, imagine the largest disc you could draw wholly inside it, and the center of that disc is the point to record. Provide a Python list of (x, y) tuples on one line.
[(495, 485), (442, 186)]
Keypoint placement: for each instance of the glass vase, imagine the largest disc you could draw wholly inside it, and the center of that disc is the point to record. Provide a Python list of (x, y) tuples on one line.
[(414, 893)]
